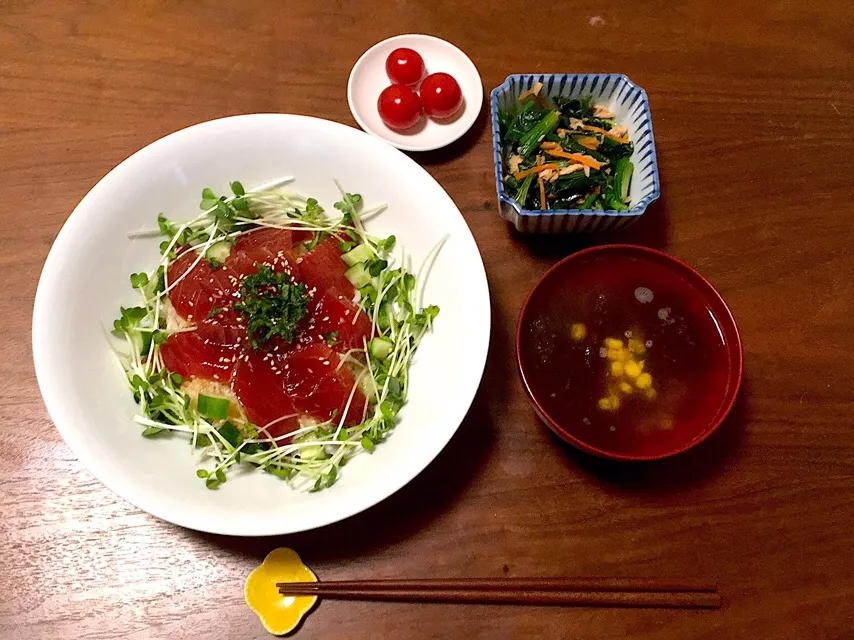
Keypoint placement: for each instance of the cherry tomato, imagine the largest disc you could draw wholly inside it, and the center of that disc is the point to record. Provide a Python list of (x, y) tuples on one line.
[(404, 66), (399, 107), (441, 95)]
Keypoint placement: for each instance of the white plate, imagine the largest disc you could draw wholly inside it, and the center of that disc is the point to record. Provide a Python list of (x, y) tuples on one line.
[(368, 78), (85, 279)]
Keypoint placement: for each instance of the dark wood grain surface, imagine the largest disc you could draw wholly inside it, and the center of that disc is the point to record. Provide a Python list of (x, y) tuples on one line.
[(753, 105)]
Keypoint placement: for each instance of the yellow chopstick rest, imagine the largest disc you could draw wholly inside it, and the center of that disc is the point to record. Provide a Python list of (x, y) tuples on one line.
[(278, 613)]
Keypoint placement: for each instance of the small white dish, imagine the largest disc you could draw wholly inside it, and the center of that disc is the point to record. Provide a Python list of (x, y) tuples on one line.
[(368, 78), (85, 280)]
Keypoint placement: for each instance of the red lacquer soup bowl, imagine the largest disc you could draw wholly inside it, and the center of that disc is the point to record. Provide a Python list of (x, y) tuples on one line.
[(628, 353)]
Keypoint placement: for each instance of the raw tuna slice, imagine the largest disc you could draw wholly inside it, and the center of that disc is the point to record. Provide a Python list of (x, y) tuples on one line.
[(338, 321), (267, 246), (204, 288), (258, 384), (319, 388), (322, 268), (209, 351)]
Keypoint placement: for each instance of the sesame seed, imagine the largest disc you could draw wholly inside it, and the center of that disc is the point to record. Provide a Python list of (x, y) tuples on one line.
[(325, 318), (326, 362)]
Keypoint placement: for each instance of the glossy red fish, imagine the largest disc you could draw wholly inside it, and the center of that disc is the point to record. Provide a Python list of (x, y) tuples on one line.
[(208, 351), (259, 385), (320, 387), (338, 321), (267, 246), (323, 269), (196, 288), (282, 381)]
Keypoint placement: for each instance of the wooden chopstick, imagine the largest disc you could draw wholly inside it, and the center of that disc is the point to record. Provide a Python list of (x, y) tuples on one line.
[(668, 600), (529, 584), (591, 592)]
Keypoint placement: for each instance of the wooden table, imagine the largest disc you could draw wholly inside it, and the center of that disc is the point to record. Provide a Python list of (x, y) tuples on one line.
[(754, 120)]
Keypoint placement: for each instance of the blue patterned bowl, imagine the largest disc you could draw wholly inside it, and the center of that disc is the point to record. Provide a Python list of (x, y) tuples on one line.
[(630, 105)]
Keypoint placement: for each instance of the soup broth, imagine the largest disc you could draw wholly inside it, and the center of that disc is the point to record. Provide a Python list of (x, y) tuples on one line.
[(620, 353)]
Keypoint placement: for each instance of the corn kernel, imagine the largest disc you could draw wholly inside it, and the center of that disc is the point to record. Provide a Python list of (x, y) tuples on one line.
[(632, 369), (644, 381), (626, 388), (613, 343), (651, 394), (611, 403), (578, 331), (616, 369), (637, 346), (641, 364), (615, 354), (625, 355)]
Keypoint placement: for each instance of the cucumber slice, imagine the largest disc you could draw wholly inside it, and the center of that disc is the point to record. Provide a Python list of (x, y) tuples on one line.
[(218, 252), (213, 407), (358, 275), (359, 254), (380, 347), (312, 452)]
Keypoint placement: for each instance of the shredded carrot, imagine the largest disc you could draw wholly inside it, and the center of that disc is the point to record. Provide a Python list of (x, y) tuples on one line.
[(549, 145), (608, 134), (520, 175), (578, 157), (543, 203), (591, 142), (541, 182)]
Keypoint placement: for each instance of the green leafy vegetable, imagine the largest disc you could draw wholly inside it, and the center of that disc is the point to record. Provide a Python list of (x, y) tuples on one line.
[(529, 141), (272, 305), (532, 133)]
